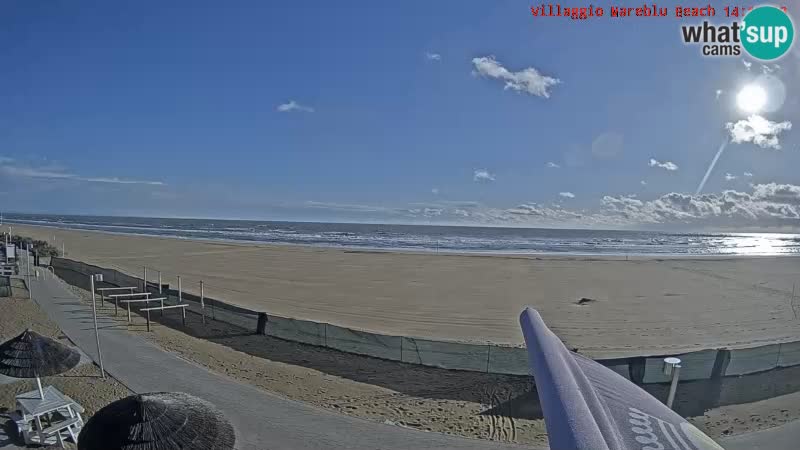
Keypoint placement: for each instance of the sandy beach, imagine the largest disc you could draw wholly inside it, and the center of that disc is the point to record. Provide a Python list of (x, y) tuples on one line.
[(647, 304), (470, 404)]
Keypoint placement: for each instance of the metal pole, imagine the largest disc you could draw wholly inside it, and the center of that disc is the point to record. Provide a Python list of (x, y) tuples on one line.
[(145, 279), (202, 302), (159, 282), (39, 384), (28, 269), (180, 291), (96, 334), (674, 386)]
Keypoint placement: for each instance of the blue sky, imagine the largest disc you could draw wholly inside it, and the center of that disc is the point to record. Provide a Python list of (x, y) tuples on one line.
[(418, 112)]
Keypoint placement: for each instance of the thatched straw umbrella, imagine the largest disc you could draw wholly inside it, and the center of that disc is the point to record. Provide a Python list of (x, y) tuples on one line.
[(157, 421), (31, 355)]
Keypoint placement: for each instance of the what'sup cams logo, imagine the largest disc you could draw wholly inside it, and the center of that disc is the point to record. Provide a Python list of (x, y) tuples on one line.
[(765, 33)]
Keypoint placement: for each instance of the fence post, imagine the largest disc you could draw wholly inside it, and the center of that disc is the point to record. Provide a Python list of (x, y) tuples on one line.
[(144, 289), (202, 302), (180, 294), (159, 282), (261, 327)]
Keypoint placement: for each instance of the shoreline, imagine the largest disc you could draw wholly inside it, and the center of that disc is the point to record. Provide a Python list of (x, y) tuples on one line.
[(554, 256)]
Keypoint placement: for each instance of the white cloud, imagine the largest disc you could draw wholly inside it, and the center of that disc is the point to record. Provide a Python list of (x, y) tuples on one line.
[(433, 56), (719, 92), (567, 194), (607, 145), (758, 130), (767, 70), (730, 177), (666, 165), (778, 193), (527, 80), (767, 204), (537, 212), (349, 207), (6, 160), (747, 64), (54, 172), (115, 180), (294, 106), (435, 191), (748, 174), (552, 165), (483, 175), (643, 183)]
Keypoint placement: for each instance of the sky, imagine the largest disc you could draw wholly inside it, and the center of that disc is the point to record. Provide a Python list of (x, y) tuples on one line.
[(468, 112)]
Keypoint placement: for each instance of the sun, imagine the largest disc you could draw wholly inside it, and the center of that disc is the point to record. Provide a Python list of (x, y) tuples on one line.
[(752, 98)]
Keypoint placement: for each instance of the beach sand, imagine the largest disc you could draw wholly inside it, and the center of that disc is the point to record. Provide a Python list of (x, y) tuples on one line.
[(82, 383), (641, 306), (470, 404)]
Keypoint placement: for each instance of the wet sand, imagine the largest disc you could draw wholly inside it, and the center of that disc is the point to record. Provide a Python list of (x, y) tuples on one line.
[(641, 306)]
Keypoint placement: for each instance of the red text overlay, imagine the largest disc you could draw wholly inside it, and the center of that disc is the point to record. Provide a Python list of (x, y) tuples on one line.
[(652, 10)]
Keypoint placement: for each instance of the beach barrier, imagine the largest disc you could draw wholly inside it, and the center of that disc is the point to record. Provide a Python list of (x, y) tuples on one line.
[(704, 364)]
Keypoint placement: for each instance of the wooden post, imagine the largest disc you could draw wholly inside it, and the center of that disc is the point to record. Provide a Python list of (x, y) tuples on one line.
[(144, 279), (159, 283), (148, 319), (202, 303), (261, 327), (183, 313), (180, 290), (129, 312)]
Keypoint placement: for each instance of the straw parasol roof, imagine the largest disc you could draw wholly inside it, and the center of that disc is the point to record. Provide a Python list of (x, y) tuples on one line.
[(31, 355), (158, 421)]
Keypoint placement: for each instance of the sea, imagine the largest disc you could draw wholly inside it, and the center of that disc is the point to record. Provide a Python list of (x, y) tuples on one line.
[(434, 238)]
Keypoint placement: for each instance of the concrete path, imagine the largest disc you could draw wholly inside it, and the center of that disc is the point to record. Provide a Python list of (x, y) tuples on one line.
[(262, 420), (784, 437)]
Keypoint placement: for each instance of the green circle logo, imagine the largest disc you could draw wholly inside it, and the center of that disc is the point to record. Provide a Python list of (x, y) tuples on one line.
[(767, 33)]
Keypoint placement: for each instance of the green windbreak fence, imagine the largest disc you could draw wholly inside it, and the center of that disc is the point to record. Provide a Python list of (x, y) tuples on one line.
[(5, 286)]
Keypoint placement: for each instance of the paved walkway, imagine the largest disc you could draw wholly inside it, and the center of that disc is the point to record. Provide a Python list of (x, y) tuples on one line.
[(262, 420), (784, 437)]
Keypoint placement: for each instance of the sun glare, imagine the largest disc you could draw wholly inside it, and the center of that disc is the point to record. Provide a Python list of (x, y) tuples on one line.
[(752, 98)]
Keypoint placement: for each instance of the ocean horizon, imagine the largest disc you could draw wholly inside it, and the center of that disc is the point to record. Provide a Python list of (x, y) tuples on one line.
[(444, 238)]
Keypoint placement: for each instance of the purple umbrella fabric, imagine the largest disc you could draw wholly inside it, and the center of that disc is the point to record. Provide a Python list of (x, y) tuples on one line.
[(587, 406)]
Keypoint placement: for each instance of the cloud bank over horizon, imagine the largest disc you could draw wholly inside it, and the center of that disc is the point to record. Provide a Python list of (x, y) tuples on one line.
[(764, 206)]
